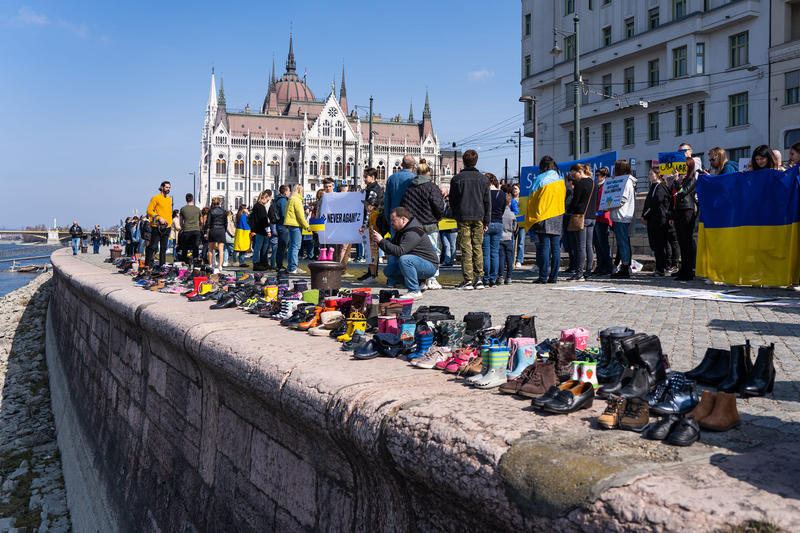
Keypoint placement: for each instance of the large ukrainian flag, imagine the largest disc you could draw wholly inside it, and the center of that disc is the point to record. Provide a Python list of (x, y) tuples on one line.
[(750, 227), (546, 199)]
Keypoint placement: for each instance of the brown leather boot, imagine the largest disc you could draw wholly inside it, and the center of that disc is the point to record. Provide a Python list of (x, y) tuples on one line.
[(563, 353), (706, 405), (725, 416)]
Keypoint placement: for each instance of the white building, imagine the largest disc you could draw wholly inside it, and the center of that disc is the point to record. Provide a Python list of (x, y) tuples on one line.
[(784, 65), (295, 138), (654, 73)]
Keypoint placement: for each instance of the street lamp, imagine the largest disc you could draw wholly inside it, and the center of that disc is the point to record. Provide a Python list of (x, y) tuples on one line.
[(194, 184), (576, 80), (531, 100)]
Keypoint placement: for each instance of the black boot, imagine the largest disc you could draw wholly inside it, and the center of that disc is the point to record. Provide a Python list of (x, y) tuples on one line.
[(613, 389), (649, 355), (739, 369), (762, 377), (638, 386), (612, 363), (713, 369)]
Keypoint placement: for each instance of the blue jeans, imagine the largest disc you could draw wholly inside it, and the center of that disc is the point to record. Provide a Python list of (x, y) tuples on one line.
[(260, 249), (506, 257), (449, 238), (283, 244), (409, 269), (359, 251), (491, 251), (76, 245), (520, 244), (294, 247), (96, 246), (548, 256), (621, 233), (602, 248)]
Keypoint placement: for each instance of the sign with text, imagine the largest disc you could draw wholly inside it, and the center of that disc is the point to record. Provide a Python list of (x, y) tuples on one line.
[(528, 173), (344, 214), (669, 162), (613, 188)]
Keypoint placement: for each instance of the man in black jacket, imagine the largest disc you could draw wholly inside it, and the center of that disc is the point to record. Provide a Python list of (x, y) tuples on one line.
[(97, 237), (259, 225), (469, 200), (76, 232), (416, 258)]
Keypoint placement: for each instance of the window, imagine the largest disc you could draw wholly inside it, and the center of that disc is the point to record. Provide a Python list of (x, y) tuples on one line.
[(791, 137), (585, 147), (528, 24), (257, 187), (381, 170), (701, 117), (222, 166), (629, 28), (569, 47), (396, 167), (791, 82), (678, 9), (700, 56), (569, 6), (607, 86), (737, 109), (220, 185), (350, 167), (606, 128), (738, 45), (629, 131), (326, 167), (313, 167), (689, 119), (652, 126), (258, 168), (238, 186), (652, 73), (238, 166), (735, 154), (794, 17), (607, 36), (275, 167), (292, 167), (569, 94), (527, 66), (338, 129), (606, 2), (629, 80), (528, 111), (571, 143), (337, 167), (237, 202), (678, 121), (679, 62), (326, 129), (652, 18)]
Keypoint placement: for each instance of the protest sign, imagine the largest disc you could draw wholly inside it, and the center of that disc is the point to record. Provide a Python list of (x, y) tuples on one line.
[(669, 162), (343, 213), (744, 162), (613, 188), (528, 173)]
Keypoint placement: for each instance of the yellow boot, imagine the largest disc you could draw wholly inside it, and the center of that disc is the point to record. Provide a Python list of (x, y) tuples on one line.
[(356, 322)]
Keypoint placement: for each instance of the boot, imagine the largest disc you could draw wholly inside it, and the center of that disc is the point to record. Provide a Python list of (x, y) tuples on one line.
[(624, 272), (649, 355), (613, 389), (485, 348), (611, 363), (762, 377), (423, 340), (496, 374), (510, 329), (740, 367), (589, 373), (725, 416), (713, 369), (359, 302), (542, 376), (706, 405), (563, 353), (639, 385), (522, 358), (313, 321), (576, 371)]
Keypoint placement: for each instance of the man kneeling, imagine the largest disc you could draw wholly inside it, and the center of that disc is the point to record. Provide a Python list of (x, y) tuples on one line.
[(416, 258)]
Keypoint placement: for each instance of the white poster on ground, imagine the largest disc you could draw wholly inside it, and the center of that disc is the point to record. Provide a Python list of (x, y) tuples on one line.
[(344, 214)]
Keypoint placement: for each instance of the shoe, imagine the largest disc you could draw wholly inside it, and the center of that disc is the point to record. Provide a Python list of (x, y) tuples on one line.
[(538, 403), (563, 354), (464, 286), (679, 398), (724, 416), (507, 281), (366, 278), (577, 277), (705, 406), (662, 428), (433, 284), (292, 271), (435, 355), (414, 295), (517, 265), (571, 400), (552, 281), (485, 350), (611, 416), (490, 283), (478, 285), (685, 432), (496, 374), (624, 272), (538, 281), (635, 417), (762, 377), (535, 380), (739, 368), (638, 386), (423, 340), (713, 369), (358, 340), (612, 362)]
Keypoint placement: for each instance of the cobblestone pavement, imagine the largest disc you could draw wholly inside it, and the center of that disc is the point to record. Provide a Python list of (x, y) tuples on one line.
[(32, 493)]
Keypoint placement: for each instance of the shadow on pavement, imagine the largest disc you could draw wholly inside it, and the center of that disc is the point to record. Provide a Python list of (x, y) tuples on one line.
[(755, 326)]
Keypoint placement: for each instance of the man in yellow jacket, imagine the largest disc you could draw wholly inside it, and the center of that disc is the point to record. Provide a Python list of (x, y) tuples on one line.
[(160, 211)]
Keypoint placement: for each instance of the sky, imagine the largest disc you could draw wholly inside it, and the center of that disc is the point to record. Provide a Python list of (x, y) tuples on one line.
[(104, 100)]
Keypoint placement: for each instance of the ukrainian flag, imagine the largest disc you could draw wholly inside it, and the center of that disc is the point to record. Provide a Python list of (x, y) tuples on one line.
[(546, 199), (317, 224), (750, 227)]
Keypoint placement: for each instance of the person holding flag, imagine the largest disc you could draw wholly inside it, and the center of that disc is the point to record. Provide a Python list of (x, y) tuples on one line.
[(544, 213)]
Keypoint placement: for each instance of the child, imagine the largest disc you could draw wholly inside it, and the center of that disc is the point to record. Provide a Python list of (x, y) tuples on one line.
[(371, 204), (507, 243)]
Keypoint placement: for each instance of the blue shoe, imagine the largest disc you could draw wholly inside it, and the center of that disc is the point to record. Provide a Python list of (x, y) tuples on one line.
[(423, 339)]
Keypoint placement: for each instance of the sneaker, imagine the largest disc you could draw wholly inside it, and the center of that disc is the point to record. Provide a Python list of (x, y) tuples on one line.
[(367, 278), (292, 271), (414, 295), (464, 286), (613, 413), (225, 264), (576, 277), (433, 284), (517, 265), (507, 281), (436, 354), (635, 416), (478, 285)]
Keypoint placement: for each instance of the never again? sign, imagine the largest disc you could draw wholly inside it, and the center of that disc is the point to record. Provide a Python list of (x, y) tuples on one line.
[(344, 214)]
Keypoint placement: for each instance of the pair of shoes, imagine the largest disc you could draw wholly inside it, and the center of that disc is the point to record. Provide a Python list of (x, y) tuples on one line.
[(539, 280), (631, 415), (465, 285), (675, 396), (675, 429), (435, 356), (717, 411), (577, 277), (534, 381), (733, 371), (433, 284), (478, 284), (657, 274), (568, 400), (552, 281)]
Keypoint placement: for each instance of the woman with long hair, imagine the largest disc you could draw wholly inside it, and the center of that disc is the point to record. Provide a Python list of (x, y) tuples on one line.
[(763, 158), (548, 230), (718, 159), (215, 224), (655, 216), (241, 237)]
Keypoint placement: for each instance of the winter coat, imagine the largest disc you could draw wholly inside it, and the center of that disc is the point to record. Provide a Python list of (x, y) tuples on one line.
[(259, 219), (469, 197), (216, 218), (413, 240), (683, 194), (295, 214), (625, 212), (509, 225), (396, 186), (584, 194), (424, 199), (657, 204), (75, 231)]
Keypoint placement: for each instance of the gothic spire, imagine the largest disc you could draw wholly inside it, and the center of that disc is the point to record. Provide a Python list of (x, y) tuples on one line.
[(426, 111), (291, 66), (343, 90), (221, 99), (272, 78), (343, 95), (411, 112), (212, 92)]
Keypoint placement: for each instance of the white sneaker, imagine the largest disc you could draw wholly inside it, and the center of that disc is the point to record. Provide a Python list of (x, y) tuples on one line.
[(415, 295), (216, 271), (225, 264), (291, 271), (517, 265), (433, 284)]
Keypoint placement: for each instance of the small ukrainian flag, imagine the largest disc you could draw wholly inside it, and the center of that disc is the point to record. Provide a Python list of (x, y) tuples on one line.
[(317, 224)]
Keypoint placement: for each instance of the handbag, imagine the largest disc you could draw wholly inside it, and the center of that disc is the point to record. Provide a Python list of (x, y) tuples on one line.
[(576, 221)]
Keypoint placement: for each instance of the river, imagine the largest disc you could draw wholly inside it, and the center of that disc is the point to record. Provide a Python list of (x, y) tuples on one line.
[(10, 250)]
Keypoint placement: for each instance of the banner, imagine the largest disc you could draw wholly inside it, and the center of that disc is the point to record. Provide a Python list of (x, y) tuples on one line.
[(749, 230), (669, 162), (343, 215), (613, 189), (529, 173)]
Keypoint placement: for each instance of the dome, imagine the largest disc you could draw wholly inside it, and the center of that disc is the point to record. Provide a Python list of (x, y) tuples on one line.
[(290, 87)]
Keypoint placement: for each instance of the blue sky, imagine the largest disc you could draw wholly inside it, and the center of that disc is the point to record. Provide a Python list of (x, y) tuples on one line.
[(103, 100)]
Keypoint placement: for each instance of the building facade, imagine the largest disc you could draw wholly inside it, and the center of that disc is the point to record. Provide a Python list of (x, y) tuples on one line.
[(296, 138), (784, 64), (653, 74)]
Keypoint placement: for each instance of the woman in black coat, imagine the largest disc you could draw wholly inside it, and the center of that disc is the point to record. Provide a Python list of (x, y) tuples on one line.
[(684, 216), (655, 216)]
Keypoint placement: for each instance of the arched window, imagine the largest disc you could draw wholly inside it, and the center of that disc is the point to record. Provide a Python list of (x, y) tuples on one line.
[(292, 167), (238, 166), (276, 167), (326, 128), (258, 167), (337, 166), (222, 166), (381, 170), (237, 202), (396, 167), (350, 167), (313, 166), (338, 129), (326, 167)]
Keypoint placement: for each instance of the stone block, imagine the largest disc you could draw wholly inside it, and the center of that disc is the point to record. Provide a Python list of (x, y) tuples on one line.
[(233, 438), (157, 375)]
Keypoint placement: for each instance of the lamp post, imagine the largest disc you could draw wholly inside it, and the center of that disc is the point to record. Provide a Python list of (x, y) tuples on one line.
[(193, 174), (531, 100), (576, 120), (519, 155)]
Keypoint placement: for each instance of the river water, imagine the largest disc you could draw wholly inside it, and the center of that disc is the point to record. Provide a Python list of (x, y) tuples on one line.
[(12, 281)]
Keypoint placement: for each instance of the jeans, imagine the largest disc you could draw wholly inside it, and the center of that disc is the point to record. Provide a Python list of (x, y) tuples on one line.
[(141, 246), (409, 269), (359, 252), (434, 237), (684, 226), (491, 251), (449, 238), (621, 232), (470, 240), (283, 243), (191, 243), (96, 246), (158, 239), (294, 247), (506, 259), (520, 245), (548, 256), (76, 245), (583, 247), (260, 249), (228, 252), (603, 249), (657, 237)]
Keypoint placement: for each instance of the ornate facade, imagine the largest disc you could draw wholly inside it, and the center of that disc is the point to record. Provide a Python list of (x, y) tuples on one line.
[(295, 138)]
